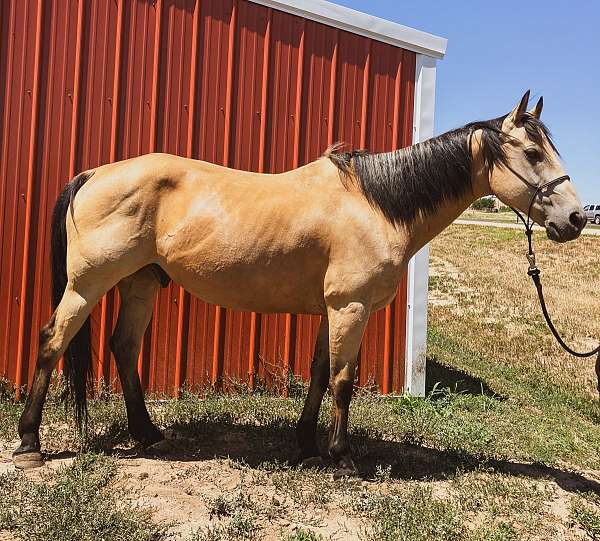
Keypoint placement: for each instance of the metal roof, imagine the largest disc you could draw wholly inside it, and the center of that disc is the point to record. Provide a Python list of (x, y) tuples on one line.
[(363, 24)]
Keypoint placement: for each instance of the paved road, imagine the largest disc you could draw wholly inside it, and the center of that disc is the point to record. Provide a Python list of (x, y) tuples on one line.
[(509, 225)]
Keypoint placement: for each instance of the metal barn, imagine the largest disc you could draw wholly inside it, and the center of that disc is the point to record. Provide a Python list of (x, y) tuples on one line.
[(262, 85)]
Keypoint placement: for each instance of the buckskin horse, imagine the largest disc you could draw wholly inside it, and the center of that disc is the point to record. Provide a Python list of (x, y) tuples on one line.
[(331, 238)]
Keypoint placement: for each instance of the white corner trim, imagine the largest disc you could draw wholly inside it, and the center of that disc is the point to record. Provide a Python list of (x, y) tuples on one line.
[(424, 98), (418, 268), (362, 24), (416, 322)]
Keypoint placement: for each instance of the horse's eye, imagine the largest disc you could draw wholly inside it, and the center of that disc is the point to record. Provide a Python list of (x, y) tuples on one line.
[(533, 155)]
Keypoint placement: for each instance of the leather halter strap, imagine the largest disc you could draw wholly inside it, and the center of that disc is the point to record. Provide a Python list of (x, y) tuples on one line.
[(535, 272), (537, 188)]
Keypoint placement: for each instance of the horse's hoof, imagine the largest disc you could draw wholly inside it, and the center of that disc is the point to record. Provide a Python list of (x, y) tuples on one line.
[(28, 460), (346, 468), (160, 448), (341, 473)]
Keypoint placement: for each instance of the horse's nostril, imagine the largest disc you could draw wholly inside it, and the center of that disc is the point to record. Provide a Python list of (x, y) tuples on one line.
[(578, 219)]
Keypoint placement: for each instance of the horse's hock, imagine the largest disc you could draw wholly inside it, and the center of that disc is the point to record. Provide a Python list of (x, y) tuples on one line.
[(262, 86)]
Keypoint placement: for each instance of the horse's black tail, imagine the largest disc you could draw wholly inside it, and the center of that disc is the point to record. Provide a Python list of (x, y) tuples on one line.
[(78, 355)]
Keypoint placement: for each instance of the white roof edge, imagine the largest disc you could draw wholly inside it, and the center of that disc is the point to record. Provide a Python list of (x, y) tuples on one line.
[(363, 24)]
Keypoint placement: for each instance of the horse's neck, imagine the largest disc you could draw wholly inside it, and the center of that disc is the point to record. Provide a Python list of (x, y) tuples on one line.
[(424, 229)]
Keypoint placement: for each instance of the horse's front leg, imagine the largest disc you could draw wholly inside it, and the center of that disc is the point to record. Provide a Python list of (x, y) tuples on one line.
[(347, 322)]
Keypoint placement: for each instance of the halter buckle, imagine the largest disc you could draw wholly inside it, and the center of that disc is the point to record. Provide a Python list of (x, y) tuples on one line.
[(531, 259)]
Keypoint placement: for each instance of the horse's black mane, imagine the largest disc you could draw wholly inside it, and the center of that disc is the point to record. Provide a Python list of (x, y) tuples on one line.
[(416, 180)]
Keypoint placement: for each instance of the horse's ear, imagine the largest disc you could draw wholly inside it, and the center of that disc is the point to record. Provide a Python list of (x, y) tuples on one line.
[(520, 109), (537, 110)]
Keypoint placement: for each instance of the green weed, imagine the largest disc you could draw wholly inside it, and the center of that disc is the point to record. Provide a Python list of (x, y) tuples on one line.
[(76, 502)]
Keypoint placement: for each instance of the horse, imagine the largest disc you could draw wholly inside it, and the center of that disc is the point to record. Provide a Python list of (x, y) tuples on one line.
[(331, 238)]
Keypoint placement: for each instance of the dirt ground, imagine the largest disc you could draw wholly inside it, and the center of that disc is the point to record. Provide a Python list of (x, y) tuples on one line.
[(183, 491), (178, 492)]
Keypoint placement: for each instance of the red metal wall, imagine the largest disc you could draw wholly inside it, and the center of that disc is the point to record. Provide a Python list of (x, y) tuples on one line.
[(227, 81)]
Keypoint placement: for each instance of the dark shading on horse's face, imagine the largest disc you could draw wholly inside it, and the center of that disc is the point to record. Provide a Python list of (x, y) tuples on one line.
[(531, 155)]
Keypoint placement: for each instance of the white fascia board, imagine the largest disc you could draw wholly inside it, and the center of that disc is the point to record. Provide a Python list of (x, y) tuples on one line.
[(363, 25), (418, 268)]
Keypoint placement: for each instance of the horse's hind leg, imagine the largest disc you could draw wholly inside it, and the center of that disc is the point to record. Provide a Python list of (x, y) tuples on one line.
[(138, 293), (66, 321), (306, 430)]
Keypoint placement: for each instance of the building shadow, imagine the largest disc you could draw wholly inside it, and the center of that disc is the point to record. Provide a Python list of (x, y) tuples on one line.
[(441, 376)]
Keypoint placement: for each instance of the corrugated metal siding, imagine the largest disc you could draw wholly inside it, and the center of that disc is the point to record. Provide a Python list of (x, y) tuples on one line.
[(226, 81)]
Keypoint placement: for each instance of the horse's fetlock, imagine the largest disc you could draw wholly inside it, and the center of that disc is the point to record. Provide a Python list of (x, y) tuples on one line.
[(338, 448), (30, 441), (147, 434)]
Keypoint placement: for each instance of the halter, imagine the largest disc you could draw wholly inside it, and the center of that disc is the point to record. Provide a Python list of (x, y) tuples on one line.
[(537, 189), (535, 272)]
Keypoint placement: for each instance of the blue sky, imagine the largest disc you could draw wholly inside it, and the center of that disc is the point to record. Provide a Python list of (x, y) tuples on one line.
[(497, 50)]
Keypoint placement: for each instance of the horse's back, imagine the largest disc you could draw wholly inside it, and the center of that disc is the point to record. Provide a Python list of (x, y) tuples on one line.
[(245, 240), (211, 228)]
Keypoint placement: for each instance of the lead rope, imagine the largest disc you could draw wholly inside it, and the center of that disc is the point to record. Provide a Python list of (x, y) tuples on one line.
[(535, 273)]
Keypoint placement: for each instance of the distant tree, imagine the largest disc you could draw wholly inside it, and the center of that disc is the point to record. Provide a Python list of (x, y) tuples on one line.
[(485, 203)]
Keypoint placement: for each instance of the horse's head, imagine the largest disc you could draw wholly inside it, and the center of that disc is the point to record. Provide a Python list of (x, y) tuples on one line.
[(532, 178)]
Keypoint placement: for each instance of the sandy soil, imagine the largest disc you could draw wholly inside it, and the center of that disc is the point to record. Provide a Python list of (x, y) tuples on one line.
[(180, 490)]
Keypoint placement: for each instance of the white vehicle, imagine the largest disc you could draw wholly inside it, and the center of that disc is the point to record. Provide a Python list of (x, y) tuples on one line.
[(593, 213)]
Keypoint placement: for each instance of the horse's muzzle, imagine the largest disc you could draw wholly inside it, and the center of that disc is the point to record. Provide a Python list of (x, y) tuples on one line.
[(565, 233)]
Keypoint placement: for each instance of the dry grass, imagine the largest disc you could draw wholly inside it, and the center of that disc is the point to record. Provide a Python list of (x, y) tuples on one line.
[(480, 275)]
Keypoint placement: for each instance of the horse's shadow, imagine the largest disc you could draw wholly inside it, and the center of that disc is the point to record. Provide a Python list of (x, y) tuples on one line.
[(274, 443)]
